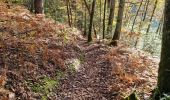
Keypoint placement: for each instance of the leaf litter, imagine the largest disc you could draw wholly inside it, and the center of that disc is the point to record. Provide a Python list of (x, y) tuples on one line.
[(37, 53)]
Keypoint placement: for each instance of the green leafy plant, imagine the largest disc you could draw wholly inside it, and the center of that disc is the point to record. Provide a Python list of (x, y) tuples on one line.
[(166, 97), (132, 96)]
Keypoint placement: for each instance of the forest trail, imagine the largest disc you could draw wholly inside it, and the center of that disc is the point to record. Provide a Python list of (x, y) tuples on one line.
[(92, 78), (98, 78), (42, 58)]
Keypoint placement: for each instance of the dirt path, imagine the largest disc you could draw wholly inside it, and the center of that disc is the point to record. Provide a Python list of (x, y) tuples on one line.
[(91, 80)]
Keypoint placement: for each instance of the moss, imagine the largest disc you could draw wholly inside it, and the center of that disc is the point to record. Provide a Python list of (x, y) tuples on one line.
[(66, 38), (82, 57), (46, 84), (36, 88), (49, 84), (44, 98), (72, 68), (59, 74)]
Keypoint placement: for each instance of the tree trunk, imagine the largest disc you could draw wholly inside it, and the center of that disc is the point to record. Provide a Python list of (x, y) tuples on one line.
[(68, 13), (164, 67), (144, 13), (111, 17), (88, 9), (75, 20), (136, 16), (39, 6), (30, 5), (146, 10), (104, 18), (159, 26), (100, 16), (116, 35), (85, 23), (153, 12), (91, 21)]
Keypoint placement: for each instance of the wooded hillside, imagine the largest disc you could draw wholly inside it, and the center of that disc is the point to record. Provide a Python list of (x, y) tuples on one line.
[(83, 50)]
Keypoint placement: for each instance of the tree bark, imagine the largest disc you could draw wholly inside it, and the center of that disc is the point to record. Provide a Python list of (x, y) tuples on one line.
[(104, 18), (91, 21), (146, 10), (111, 17), (164, 67), (136, 16), (153, 12), (75, 19), (100, 16), (116, 35), (39, 6), (88, 9), (85, 23), (68, 13), (159, 26)]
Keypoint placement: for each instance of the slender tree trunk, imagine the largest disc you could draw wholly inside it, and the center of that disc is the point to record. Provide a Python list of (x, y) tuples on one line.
[(100, 16), (68, 13), (116, 35), (31, 5), (88, 8), (39, 6), (143, 15), (111, 17), (104, 18), (164, 67), (136, 16), (91, 21), (127, 15), (159, 26), (85, 23), (75, 20), (146, 10), (109, 3), (153, 12)]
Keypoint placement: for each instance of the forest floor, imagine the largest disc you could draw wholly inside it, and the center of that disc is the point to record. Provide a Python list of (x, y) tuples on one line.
[(108, 73), (43, 59)]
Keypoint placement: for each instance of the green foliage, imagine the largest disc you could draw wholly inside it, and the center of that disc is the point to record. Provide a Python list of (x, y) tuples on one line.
[(156, 94), (45, 86), (166, 97), (55, 9), (152, 43), (59, 74), (44, 98), (82, 57), (132, 96)]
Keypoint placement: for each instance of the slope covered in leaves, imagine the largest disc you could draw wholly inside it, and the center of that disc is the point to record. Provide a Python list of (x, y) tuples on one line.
[(31, 49), (110, 73), (37, 55), (135, 70)]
